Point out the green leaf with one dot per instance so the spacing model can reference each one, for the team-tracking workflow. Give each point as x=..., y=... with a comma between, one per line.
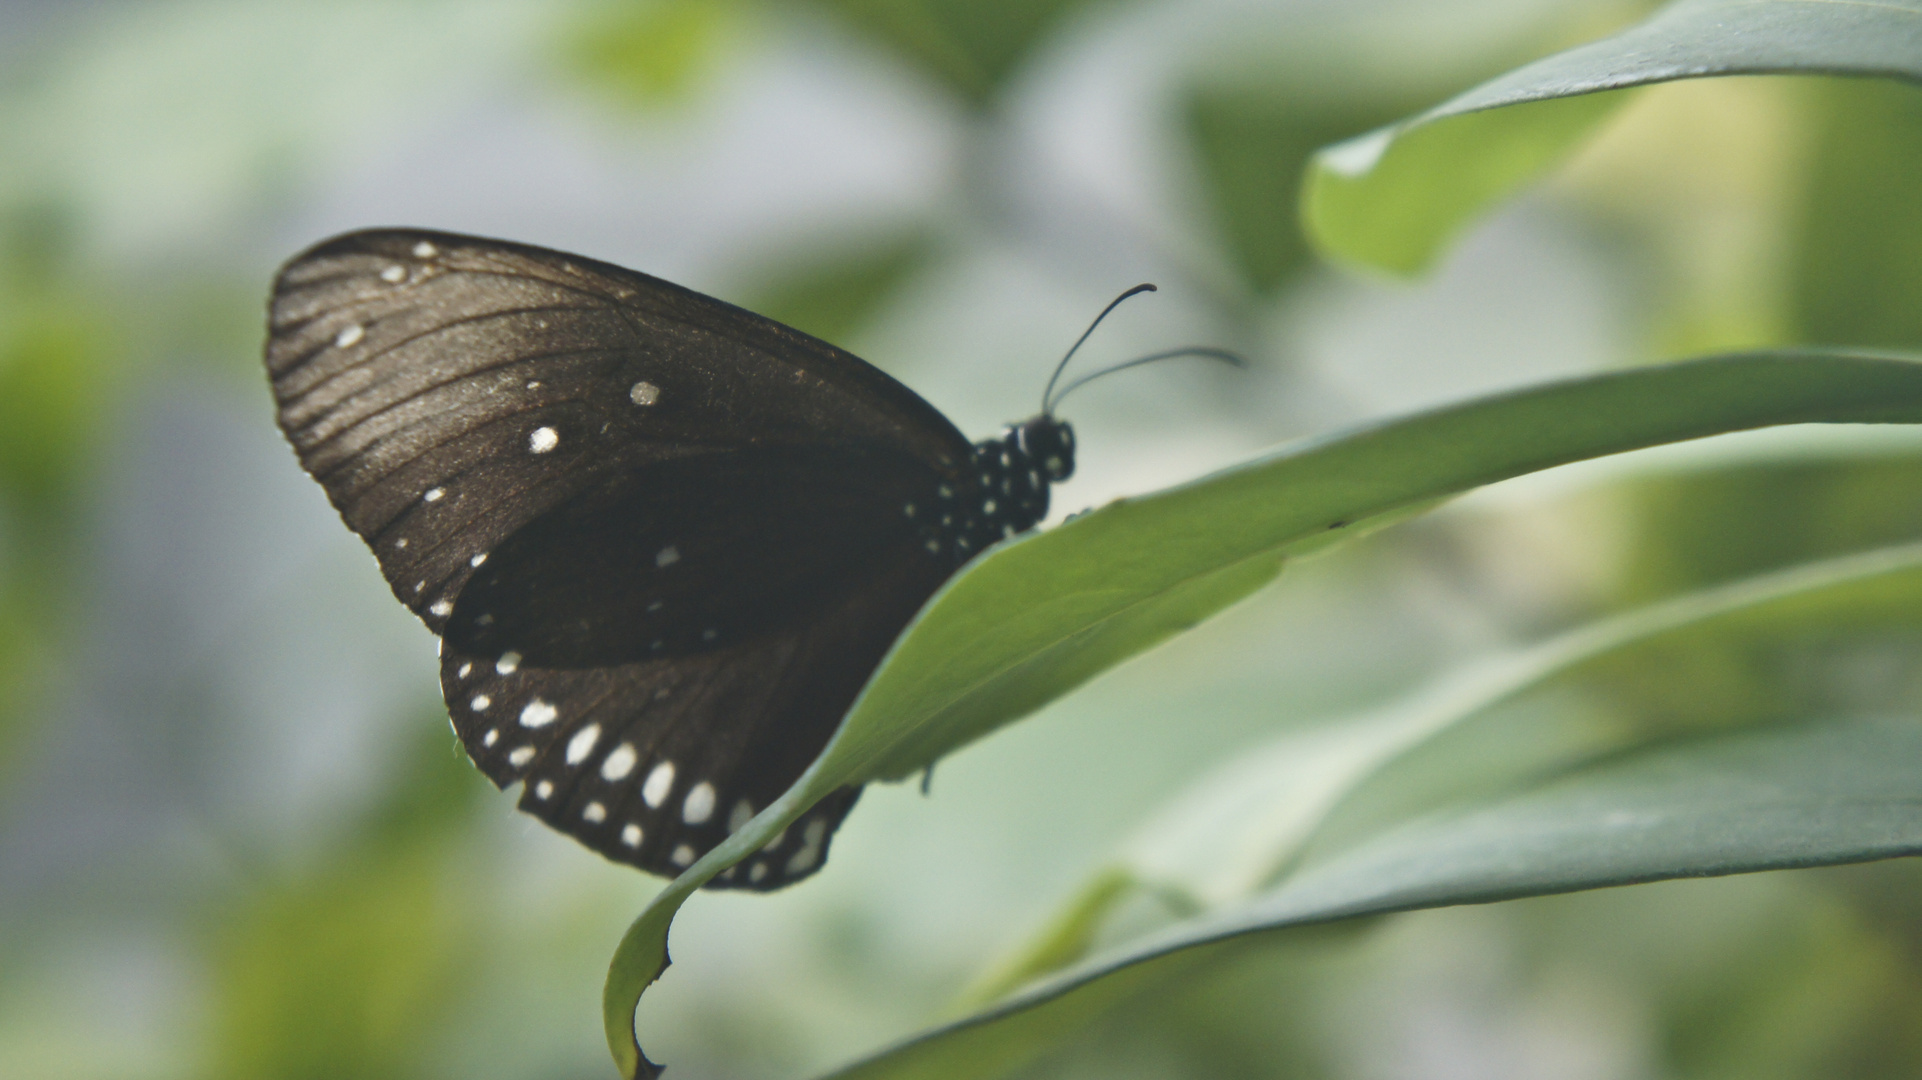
x=1250, y=146
x=1394, y=198
x=1815, y=794
x=1042, y=614
x=1235, y=832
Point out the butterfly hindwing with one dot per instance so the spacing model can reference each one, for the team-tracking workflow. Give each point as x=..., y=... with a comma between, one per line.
x=653, y=762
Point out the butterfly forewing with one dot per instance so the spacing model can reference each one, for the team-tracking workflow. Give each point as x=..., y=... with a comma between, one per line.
x=559, y=464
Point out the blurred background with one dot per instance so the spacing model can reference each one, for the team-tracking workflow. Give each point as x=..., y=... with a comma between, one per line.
x=236, y=836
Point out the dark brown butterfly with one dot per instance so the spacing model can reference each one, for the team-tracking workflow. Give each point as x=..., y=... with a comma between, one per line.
x=664, y=541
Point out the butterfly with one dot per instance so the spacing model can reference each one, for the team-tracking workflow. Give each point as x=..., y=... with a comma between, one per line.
x=664, y=541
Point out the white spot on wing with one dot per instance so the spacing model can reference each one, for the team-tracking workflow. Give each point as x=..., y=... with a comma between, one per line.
x=493, y=736
x=699, y=805
x=594, y=812
x=434, y=495
x=480, y=703
x=544, y=789
x=477, y=560
x=682, y=856
x=441, y=608
x=742, y=813
x=465, y=670
x=393, y=273
x=658, y=784
x=644, y=393
x=756, y=872
x=667, y=556
x=582, y=744
x=521, y=756
x=425, y=250
x=543, y=439
x=804, y=860
x=620, y=761
x=508, y=663
x=631, y=835
x=401, y=543
x=350, y=335
x=538, y=713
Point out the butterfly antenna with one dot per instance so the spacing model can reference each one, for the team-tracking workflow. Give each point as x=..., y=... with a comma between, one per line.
x=1222, y=355
x=1062, y=366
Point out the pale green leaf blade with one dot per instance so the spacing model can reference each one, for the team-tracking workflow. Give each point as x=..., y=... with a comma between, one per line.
x=1392, y=199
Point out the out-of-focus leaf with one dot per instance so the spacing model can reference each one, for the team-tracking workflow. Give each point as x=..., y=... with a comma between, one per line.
x=1815, y=793
x=1252, y=147
x=1394, y=198
x=1697, y=528
x=649, y=52
x=832, y=297
x=344, y=968
x=54, y=360
x=1856, y=272
x=973, y=46
x=1044, y=614
x=1234, y=832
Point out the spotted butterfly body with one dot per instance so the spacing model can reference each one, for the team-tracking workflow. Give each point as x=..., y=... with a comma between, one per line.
x=664, y=541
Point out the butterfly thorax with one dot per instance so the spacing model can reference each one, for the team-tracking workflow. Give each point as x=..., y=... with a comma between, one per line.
x=1008, y=493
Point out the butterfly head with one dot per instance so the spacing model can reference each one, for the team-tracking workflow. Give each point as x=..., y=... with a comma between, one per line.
x=1049, y=443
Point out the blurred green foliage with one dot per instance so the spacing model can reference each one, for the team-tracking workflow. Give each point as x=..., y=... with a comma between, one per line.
x=832, y=296
x=353, y=965
x=973, y=47
x=1856, y=274
x=1251, y=146
x=651, y=52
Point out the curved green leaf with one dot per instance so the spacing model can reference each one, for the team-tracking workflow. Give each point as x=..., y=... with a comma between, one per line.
x=1236, y=831
x=1045, y=613
x=1816, y=793
x=1393, y=198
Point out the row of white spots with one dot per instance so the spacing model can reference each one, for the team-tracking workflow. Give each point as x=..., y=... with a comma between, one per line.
x=696, y=808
